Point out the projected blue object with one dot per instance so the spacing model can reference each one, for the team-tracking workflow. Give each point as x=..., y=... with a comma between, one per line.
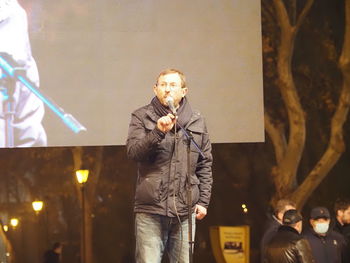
x=11, y=69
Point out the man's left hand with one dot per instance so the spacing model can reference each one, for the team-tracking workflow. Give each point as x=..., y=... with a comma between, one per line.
x=200, y=211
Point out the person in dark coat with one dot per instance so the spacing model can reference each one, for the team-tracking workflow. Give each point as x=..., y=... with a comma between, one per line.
x=159, y=146
x=288, y=245
x=341, y=224
x=275, y=221
x=53, y=255
x=327, y=245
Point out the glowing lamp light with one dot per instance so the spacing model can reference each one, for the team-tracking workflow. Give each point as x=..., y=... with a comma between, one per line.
x=14, y=222
x=82, y=176
x=37, y=206
x=5, y=227
x=245, y=208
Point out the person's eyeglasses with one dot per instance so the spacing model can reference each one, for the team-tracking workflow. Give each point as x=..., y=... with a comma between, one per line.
x=171, y=85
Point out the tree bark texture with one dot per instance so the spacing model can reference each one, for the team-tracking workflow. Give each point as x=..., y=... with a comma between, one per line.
x=288, y=154
x=284, y=174
x=90, y=190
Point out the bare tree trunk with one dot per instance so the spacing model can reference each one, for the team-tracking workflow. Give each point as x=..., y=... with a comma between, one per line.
x=86, y=253
x=336, y=144
x=288, y=154
x=284, y=174
x=90, y=204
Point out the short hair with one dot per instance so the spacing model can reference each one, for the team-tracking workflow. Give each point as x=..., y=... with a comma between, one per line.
x=341, y=204
x=172, y=71
x=281, y=205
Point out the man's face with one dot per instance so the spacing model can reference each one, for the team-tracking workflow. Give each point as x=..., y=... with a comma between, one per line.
x=320, y=225
x=170, y=86
x=344, y=216
x=299, y=226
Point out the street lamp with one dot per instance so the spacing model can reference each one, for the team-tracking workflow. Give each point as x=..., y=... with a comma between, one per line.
x=14, y=222
x=37, y=206
x=82, y=177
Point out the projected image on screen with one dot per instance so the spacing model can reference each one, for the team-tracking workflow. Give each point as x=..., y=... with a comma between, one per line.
x=98, y=61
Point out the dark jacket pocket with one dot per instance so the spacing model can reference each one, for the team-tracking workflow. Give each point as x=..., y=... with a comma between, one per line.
x=148, y=190
x=194, y=192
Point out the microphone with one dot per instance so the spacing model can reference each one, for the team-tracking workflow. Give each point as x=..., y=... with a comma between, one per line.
x=170, y=102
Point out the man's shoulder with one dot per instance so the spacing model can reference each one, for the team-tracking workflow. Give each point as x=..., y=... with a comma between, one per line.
x=331, y=235
x=197, y=122
x=311, y=235
x=285, y=237
x=346, y=230
x=144, y=111
x=271, y=228
x=196, y=114
x=336, y=235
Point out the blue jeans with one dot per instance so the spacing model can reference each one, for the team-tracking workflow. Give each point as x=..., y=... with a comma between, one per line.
x=156, y=234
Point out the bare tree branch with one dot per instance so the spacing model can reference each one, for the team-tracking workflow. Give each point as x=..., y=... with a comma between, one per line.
x=336, y=144
x=276, y=134
x=287, y=168
x=268, y=12
x=96, y=172
x=282, y=14
x=77, y=153
x=303, y=13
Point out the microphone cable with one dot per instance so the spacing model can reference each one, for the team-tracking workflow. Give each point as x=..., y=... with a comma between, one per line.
x=177, y=189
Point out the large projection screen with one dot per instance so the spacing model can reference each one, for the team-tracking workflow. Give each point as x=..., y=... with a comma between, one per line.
x=99, y=59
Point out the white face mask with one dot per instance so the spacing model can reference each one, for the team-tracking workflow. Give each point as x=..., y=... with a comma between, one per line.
x=321, y=228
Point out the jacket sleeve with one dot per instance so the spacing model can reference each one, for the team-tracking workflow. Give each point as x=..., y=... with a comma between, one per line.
x=141, y=143
x=204, y=171
x=304, y=251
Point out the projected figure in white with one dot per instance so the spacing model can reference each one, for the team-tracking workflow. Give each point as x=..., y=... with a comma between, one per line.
x=27, y=108
x=157, y=141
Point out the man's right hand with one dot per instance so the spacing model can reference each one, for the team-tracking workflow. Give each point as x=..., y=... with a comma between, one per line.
x=166, y=123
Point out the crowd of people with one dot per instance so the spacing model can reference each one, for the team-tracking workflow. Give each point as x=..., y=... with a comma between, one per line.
x=320, y=238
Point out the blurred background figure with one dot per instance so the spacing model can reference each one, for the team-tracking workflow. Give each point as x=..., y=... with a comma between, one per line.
x=342, y=217
x=341, y=224
x=53, y=255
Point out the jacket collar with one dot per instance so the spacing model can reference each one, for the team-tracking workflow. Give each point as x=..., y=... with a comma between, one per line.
x=284, y=228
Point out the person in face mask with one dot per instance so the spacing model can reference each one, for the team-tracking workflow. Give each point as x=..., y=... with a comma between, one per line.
x=326, y=245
